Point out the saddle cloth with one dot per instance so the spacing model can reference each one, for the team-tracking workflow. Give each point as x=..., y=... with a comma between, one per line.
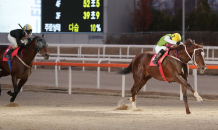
x=159, y=63
x=14, y=53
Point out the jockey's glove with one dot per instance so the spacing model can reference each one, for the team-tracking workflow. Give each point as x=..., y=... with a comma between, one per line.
x=25, y=41
x=178, y=43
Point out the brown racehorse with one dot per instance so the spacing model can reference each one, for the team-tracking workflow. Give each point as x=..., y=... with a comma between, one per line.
x=175, y=69
x=19, y=70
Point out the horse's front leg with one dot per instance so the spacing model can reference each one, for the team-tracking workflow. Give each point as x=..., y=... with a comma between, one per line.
x=183, y=82
x=184, y=91
x=14, y=81
x=20, y=85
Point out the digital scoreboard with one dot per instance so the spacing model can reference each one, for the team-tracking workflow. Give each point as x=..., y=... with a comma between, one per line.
x=75, y=16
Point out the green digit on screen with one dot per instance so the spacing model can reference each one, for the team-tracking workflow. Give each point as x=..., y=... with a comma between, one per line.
x=88, y=4
x=91, y=27
x=87, y=15
x=98, y=3
x=84, y=3
x=97, y=14
x=94, y=27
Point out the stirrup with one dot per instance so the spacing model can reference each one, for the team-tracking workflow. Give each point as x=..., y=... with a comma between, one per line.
x=156, y=63
x=8, y=57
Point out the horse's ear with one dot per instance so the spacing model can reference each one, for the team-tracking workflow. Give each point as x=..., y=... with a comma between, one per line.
x=43, y=35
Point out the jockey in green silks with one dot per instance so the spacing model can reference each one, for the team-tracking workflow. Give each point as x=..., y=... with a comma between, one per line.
x=161, y=48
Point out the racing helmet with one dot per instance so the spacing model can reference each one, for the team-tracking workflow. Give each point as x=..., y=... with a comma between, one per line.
x=27, y=28
x=176, y=37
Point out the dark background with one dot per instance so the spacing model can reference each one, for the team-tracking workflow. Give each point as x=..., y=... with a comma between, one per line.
x=71, y=12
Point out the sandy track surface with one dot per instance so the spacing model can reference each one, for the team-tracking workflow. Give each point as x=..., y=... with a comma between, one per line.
x=40, y=110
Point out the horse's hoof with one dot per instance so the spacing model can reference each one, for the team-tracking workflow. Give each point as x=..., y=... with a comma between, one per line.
x=199, y=99
x=135, y=109
x=188, y=112
x=10, y=93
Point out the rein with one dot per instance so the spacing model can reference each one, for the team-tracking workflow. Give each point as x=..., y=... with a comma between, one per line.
x=22, y=56
x=177, y=56
x=23, y=62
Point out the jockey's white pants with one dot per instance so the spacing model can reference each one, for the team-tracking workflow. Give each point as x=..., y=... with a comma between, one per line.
x=158, y=48
x=13, y=41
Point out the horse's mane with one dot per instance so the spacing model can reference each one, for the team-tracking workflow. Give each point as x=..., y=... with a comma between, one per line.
x=189, y=43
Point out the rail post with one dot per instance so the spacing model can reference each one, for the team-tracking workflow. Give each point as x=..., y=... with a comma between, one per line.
x=98, y=73
x=70, y=81
x=56, y=71
x=144, y=87
x=181, y=94
x=123, y=85
x=195, y=79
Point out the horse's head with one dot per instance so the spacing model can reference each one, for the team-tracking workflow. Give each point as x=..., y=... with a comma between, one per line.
x=197, y=53
x=41, y=46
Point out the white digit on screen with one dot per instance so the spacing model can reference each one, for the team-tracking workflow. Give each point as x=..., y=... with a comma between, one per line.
x=93, y=15
x=58, y=3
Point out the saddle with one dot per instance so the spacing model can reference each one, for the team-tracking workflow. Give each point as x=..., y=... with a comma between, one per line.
x=14, y=53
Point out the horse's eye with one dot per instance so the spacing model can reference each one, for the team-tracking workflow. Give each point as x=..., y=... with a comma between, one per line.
x=198, y=55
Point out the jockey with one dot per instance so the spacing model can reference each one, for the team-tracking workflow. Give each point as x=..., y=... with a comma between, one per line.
x=19, y=37
x=161, y=48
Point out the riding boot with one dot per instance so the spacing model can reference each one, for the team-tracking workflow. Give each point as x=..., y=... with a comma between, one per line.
x=8, y=54
x=157, y=57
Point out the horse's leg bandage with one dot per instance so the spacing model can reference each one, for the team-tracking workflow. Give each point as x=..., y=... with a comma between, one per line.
x=199, y=99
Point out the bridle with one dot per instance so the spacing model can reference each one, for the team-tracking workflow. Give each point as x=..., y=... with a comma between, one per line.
x=37, y=48
x=193, y=55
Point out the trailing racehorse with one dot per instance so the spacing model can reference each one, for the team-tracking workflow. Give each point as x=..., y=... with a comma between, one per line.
x=174, y=68
x=21, y=64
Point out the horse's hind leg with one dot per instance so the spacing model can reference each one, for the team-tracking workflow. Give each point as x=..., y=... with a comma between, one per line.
x=3, y=73
x=14, y=81
x=136, y=88
x=20, y=85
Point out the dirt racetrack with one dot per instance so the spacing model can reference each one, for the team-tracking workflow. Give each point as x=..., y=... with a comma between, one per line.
x=89, y=108
x=51, y=111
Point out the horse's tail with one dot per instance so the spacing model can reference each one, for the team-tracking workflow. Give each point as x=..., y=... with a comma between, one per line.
x=126, y=70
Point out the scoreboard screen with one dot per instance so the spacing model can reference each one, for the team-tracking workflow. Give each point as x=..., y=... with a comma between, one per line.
x=72, y=16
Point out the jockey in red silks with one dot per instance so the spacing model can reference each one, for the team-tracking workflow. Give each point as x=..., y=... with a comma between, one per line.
x=162, y=44
x=19, y=37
